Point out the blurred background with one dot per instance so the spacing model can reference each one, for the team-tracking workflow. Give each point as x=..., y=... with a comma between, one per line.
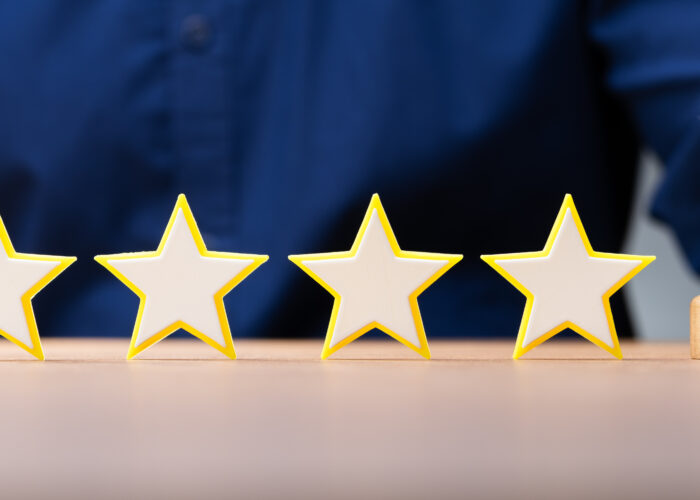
x=279, y=120
x=660, y=297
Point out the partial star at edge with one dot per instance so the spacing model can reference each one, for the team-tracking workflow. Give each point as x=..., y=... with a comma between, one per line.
x=22, y=276
x=567, y=285
x=375, y=284
x=181, y=285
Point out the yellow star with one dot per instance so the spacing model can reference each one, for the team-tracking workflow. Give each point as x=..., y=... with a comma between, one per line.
x=567, y=285
x=375, y=285
x=181, y=285
x=21, y=277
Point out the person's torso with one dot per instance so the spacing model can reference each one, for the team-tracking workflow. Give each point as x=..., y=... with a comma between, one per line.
x=278, y=120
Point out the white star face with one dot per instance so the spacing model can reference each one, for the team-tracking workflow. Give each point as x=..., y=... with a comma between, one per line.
x=181, y=285
x=375, y=284
x=568, y=285
x=21, y=278
x=17, y=276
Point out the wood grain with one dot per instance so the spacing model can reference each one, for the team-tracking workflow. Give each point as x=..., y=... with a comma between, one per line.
x=375, y=421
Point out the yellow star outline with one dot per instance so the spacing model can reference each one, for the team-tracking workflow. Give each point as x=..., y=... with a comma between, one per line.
x=568, y=204
x=375, y=204
x=228, y=349
x=63, y=263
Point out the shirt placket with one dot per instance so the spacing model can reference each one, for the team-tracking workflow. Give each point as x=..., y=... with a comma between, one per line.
x=202, y=115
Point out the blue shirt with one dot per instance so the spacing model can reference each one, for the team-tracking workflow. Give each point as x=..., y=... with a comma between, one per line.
x=279, y=119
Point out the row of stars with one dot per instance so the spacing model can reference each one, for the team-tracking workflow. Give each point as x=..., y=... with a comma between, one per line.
x=375, y=284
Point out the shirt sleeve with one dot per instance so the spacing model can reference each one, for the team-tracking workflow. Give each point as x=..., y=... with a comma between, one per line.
x=651, y=59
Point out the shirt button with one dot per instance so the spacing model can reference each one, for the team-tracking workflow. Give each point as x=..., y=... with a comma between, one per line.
x=195, y=31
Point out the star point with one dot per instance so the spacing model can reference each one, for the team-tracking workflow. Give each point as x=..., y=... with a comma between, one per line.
x=181, y=285
x=567, y=285
x=375, y=284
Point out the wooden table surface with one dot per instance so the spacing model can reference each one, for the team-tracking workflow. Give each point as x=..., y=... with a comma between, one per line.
x=181, y=421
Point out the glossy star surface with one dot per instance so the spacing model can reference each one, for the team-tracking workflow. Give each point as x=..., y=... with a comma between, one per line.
x=375, y=284
x=567, y=285
x=181, y=285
